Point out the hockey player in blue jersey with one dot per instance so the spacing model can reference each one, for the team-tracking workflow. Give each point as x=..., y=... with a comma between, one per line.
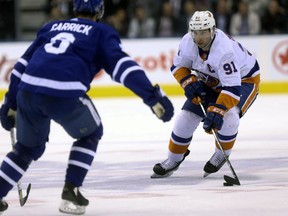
x=50, y=81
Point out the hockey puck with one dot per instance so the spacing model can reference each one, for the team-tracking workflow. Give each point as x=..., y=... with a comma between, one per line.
x=227, y=184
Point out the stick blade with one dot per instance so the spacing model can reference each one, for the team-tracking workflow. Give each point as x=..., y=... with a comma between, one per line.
x=24, y=199
x=230, y=180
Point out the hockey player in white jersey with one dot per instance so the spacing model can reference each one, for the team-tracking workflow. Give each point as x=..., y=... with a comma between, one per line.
x=215, y=69
x=50, y=82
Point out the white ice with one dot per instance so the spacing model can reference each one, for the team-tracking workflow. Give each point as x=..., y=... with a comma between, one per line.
x=119, y=183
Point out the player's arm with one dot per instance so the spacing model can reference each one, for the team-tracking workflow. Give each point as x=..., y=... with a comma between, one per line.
x=9, y=106
x=229, y=96
x=181, y=71
x=123, y=69
x=19, y=69
x=134, y=78
x=192, y=87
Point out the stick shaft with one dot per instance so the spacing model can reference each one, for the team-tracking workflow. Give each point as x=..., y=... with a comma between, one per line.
x=221, y=148
x=19, y=188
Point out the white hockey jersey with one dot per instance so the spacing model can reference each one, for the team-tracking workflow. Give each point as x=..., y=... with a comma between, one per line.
x=223, y=68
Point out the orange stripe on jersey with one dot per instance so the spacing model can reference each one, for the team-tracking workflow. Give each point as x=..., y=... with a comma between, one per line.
x=177, y=149
x=226, y=145
x=180, y=73
x=227, y=100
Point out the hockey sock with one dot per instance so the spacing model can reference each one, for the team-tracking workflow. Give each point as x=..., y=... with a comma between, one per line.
x=80, y=159
x=12, y=169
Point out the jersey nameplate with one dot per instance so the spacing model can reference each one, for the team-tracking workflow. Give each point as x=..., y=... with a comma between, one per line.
x=74, y=27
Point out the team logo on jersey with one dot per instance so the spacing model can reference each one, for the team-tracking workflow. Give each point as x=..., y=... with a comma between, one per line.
x=280, y=57
x=208, y=80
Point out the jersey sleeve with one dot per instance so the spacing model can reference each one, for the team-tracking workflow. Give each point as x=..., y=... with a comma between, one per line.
x=123, y=69
x=19, y=69
x=182, y=62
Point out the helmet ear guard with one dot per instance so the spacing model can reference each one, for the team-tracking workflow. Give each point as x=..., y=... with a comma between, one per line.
x=93, y=7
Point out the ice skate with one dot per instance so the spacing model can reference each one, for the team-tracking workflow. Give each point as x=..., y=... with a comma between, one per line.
x=73, y=202
x=167, y=167
x=214, y=164
x=3, y=206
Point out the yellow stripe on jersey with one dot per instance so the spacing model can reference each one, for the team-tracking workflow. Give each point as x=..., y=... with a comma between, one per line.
x=252, y=95
x=180, y=73
x=250, y=99
x=177, y=149
x=226, y=145
x=227, y=100
x=252, y=80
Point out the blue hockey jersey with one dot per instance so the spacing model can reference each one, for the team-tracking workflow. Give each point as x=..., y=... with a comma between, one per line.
x=66, y=55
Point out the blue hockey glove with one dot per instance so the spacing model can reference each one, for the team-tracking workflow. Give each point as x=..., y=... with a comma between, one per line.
x=8, y=117
x=214, y=117
x=193, y=89
x=163, y=109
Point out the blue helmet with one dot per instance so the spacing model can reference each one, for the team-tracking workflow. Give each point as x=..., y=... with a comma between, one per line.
x=89, y=6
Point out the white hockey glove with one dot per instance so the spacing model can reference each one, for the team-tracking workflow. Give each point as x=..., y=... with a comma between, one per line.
x=163, y=109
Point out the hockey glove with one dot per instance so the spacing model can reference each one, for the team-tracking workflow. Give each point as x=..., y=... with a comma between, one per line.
x=214, y=117
x=193, y=89
x=8, y=117
x=163, y=109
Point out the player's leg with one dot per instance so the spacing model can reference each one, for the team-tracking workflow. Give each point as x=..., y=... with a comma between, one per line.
x=185, y=124
x=184, y=127
x=227, y=136
x=228, y=133
x=80, y=159
x=32, y=133
x=82, y=123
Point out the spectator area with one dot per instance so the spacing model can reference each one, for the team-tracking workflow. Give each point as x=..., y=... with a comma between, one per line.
x=149, y=18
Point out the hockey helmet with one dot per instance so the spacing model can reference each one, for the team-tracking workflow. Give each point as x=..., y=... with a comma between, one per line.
x=202, y=20
x=90, y=6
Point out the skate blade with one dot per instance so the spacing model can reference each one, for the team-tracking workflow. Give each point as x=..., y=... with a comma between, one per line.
x=154, y=175
x=69, y=208
x=206, y=174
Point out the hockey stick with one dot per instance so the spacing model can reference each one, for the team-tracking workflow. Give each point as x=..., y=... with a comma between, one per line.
x=22, y=199
x=229, y=180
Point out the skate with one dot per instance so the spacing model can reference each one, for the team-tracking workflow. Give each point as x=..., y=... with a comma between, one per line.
x=73, y=202
x=214, y=164
x=167, y=167
x=3, y=206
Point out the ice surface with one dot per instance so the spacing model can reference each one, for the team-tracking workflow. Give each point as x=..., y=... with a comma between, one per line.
x=119, y=183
